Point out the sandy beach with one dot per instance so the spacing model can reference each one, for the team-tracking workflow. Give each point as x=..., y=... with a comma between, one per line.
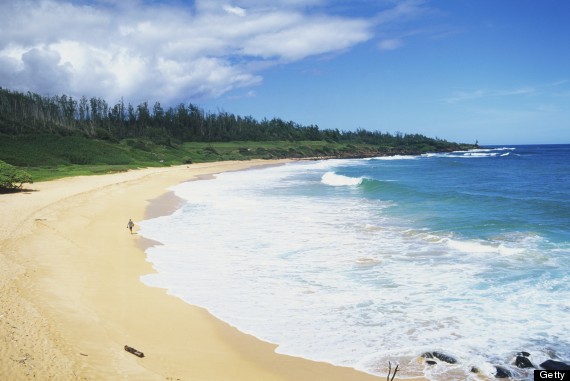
x=71, y=296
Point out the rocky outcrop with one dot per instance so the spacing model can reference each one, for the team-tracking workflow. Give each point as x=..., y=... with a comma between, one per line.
x=555, y=365
x=501, y=372
x=440, y=356
x=522, y=360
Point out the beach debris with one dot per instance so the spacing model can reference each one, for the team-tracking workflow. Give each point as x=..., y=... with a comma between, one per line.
x=134, y=351
x=390, y=371
x=502, y=372
x=83, y=354
x=554, y=365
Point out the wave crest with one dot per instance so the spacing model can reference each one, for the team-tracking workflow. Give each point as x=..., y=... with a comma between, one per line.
x=332, y=179
x=474, y=153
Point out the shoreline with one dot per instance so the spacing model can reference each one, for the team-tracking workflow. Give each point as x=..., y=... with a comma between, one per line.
x=71, y=295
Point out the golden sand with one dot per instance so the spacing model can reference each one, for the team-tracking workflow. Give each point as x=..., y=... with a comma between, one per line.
x=71, y=296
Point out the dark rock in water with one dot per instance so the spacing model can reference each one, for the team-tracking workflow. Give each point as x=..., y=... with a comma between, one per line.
x=523, y=362
x=445, y=358
x=440, y=356
x=502, y=372
x=554, y=365
x=474, y=370
x=523, y=353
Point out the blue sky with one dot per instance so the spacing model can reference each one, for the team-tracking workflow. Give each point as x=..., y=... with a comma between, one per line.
x=496, y=71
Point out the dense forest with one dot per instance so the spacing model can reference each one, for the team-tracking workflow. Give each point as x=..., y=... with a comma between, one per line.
x=31, y=113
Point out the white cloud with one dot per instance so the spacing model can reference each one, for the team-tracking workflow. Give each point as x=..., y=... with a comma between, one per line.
x=391, y=44
x=295, y=40
x=247, y=95
x=167, y=51
x=235, y=10
x=397, y=28
x=461, y=96
x=404, y=10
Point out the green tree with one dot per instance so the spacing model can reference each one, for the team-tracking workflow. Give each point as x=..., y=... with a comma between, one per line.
x=12, y=177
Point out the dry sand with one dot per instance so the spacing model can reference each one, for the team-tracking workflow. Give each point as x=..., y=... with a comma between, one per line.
x=71, y=295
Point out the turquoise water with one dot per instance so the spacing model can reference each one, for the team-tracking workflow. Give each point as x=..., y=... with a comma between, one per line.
x=361, y=262
x=500, y=191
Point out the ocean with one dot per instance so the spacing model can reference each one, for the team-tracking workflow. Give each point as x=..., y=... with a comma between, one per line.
x=364, y=261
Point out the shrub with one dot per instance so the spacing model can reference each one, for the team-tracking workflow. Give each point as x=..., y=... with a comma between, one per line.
x=138, y=144
x=12, y=177
x=211, y=150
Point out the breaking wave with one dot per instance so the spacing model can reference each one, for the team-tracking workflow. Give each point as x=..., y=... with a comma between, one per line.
x=332, y=179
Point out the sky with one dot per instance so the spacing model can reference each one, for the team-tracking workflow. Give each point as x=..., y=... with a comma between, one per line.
x=486, y=71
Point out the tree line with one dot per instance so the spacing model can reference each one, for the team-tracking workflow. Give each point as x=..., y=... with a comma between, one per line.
x=30, y=113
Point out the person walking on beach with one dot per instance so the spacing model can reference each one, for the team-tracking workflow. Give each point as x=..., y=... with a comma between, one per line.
x=130, y=225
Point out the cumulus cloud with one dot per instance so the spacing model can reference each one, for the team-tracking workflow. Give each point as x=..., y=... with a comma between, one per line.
x=162, y=51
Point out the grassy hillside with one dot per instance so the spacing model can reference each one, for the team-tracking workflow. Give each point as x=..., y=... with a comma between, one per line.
x=48, y=157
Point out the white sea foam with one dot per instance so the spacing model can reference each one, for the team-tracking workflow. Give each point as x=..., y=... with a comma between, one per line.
x=477, y=153
x=481, y=154
x=487, y=150
x=331, y=178
x=333, y=279
x=396, y=157
x=466, y=155
x=471, y=246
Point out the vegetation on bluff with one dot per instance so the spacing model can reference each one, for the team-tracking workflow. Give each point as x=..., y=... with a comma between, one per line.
x=59, y=136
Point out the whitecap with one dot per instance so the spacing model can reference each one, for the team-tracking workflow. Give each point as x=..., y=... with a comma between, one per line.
x=470, y=246
x=331, y=178
x=473, y=153
x=396, y=157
